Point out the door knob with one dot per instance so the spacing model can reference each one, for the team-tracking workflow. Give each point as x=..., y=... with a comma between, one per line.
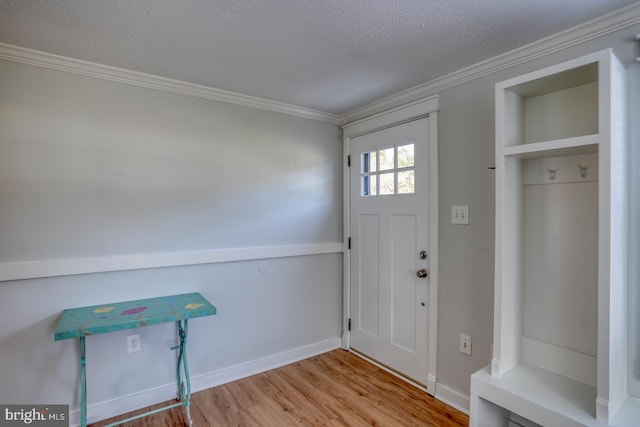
x=422, y=273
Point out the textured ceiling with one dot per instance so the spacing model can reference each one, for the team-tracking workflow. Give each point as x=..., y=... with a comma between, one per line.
x=329, y=55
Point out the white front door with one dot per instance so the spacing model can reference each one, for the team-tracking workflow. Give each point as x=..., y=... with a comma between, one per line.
x=390, y=223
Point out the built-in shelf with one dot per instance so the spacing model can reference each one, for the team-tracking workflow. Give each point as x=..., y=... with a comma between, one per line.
x=539, y=395
x=628, y=414
x=559, y=147
x=559, y=352
x=540, y=107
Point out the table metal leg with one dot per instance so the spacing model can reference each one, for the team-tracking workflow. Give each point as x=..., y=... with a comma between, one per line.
x=83, y=384
x=184, y=387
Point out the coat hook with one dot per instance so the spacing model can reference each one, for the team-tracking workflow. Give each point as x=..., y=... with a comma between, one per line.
x=552, y=173
x=583, y=170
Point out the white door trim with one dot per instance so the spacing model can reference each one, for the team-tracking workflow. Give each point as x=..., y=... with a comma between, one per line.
x=427, y=106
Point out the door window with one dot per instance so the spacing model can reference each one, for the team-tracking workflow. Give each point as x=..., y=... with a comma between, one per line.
x=388, y=171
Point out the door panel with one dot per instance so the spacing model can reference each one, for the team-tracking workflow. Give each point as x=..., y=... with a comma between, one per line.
x=404, y=285
x=369, y=277
x=389, y=184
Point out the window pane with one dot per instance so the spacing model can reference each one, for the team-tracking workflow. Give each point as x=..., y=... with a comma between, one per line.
x=368, y=185
x=386, y=159
x=387, y=183
x=405, y=156
x=406, y=182
x=368, y=162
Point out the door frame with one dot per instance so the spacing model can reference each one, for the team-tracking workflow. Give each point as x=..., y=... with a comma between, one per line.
x=426, y=107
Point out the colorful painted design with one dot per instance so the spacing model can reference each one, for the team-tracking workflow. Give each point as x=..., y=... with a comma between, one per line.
x=193, y=306
x=134, y=310
x=78, y=322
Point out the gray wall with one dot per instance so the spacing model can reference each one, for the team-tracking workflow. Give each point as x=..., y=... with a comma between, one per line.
x=94, y=168
x=90, y=167
x=466, y=149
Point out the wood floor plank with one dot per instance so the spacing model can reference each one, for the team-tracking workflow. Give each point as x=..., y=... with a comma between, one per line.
x=334, y=389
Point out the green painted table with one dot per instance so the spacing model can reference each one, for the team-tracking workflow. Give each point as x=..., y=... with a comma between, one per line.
x=100, y=319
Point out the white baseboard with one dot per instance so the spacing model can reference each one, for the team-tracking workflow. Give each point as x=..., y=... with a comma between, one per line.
x=452, y=398
x=233, y=373
x=134, y=401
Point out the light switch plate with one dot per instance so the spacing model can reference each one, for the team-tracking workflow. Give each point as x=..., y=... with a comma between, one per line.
x=460, y=214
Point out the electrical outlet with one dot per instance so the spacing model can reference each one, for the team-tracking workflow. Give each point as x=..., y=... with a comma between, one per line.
x=465, y=344
x=133, y=343
x=459, y=214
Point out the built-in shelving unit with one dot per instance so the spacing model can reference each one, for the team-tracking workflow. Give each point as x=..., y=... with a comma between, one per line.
x=559, y=352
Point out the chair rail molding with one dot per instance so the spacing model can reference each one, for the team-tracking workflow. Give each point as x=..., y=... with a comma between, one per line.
x=98, y=264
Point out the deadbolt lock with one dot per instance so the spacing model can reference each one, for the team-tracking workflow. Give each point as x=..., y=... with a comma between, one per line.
x=422, y=273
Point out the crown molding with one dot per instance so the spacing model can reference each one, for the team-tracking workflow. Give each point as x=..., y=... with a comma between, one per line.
x=590, y=30
x=587, y=31
x=121, y=75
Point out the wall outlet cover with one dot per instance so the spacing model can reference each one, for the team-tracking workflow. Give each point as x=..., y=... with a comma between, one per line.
x=133, y=343
x=465, y=344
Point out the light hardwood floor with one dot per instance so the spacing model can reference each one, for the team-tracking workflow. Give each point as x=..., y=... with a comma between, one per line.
x=337, y=388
